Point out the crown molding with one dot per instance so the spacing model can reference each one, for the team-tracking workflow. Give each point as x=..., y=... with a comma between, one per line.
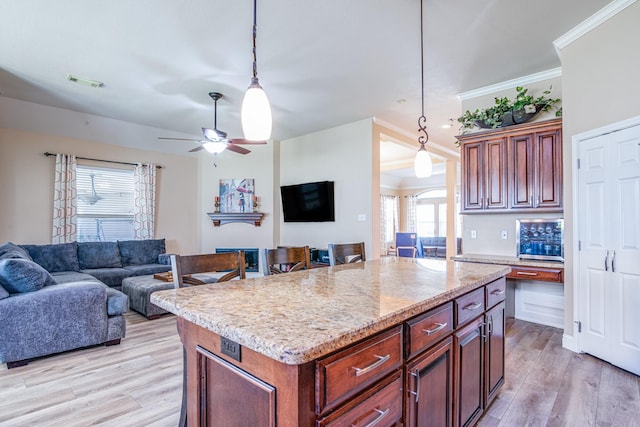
x=510, y=84
x=590, y=23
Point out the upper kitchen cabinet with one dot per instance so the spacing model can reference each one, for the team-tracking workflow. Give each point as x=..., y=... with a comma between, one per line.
x=484, y=174
x=517, y=168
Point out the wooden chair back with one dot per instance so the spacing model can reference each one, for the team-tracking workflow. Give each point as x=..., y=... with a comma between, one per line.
x=182, y=265
x=346, y=253
x=285, y=260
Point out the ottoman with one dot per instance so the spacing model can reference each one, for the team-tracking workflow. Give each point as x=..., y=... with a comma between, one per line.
x=139, y=290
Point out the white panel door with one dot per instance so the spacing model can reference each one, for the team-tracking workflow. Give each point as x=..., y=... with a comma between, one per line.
x=609, y=261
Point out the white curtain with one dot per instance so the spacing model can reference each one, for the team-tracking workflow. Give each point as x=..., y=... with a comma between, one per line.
x=412, y=226
x=64, y=200
x=385, y=214
x=144, y=207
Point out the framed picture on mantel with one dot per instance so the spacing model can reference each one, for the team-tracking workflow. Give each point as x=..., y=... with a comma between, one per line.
x=236, y=195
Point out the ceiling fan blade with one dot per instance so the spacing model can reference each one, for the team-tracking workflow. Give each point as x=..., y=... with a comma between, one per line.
x=198, y=148
x=179, y=139
x=246, y=141
x=237, y=149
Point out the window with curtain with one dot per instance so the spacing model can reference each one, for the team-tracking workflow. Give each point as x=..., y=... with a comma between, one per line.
x=105, y=204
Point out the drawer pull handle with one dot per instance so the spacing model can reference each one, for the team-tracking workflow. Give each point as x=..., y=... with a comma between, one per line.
x=439, y=327
x=374, y=365
x=497, y=292
x=525, y=273
x=381, y=415
x=472, y=307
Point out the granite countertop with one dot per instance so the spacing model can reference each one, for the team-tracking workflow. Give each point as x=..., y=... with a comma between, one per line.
x=298, y=317
x=507, y=260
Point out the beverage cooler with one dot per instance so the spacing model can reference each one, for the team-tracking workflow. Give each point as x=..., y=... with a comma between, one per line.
x=541, y=239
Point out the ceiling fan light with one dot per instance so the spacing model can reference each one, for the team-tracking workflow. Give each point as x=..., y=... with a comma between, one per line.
x=423, y=165
x=256, y=113
x=214, y=147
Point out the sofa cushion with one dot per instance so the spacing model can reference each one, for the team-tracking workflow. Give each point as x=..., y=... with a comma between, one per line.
x=109, y=276
x=72, y=276
x=19, y=276
x=98, y=255
x=138, y=252
x=143, y=270
x=117, y=302
x=11, y=250
x=3, y=292
x=56, y=257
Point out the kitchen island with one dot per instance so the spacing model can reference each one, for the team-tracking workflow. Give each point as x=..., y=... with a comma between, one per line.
x=343, y=345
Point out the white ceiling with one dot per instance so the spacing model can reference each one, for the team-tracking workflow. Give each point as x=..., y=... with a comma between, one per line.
x=322, y=63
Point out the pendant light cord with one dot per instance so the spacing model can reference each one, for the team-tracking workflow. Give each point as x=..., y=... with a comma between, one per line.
x=422, y=120
x=255, y=61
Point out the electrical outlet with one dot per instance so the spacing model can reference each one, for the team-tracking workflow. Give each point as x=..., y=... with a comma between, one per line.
x=473, y=234
x=504, y=235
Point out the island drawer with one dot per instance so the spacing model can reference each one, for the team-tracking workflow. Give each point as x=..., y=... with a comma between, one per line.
x=495, y=291
x=381, y=405
x=349, y=371
x=428, y=328
x=469, y=306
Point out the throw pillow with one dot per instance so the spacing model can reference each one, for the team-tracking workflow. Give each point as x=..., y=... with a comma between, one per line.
x=56, y=257
x=11, y=250
x=18, y=276
x=140, y=252
x=98, y=255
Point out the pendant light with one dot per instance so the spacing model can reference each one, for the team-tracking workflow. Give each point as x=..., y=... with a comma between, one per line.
x=256, y=111
x=422, y=165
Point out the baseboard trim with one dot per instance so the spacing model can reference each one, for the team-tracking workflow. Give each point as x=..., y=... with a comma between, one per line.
x=570, y=343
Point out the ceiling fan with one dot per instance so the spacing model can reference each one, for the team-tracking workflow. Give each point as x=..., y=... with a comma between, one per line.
x=215, y=141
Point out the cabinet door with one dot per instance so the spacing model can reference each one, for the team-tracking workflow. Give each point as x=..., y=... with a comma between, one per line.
x=522, y=171
x=484, y=174
x=232, y=397
x=469, y=371
x=494, y=352
x=429, y=380
x=495, y=173
x=472, y=176
x=548, y=152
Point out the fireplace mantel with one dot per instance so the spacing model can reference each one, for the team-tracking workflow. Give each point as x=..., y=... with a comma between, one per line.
x=219, y=218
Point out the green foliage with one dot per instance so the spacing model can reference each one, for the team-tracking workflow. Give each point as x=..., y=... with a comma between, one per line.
x=493, y=117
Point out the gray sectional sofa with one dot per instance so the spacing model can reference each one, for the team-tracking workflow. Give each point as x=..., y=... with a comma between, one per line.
x=60, y=297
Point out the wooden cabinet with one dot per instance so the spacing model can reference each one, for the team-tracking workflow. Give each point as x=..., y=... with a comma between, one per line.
x=535, y=169
x=228, y=388
x=494, y=352
x=484, y=174
x=513, y=168
x=442, y=367
x=468, y=343
x=429, y=382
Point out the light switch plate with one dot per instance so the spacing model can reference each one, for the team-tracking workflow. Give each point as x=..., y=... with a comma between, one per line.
x=473, y=234
x=504, y=235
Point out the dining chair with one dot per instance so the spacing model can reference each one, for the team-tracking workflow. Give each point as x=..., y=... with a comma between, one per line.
x=285, y=260
x=346, y=253
x=184, y=266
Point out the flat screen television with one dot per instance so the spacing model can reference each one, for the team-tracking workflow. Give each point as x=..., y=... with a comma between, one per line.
x=308, y=202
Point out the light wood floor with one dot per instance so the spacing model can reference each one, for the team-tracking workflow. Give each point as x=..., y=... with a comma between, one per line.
x=138, y=383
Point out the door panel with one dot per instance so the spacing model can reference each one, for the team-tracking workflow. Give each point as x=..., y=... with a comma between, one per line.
x=609, y=262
